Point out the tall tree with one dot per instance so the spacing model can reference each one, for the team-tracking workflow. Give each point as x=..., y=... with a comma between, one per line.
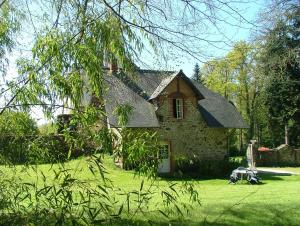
x=280, y=64
x=235, y=77
x=197, y=76
x=218, y=77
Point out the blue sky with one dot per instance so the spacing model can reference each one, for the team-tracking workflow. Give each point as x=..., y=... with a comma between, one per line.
x=230, y=35
x=176, y=59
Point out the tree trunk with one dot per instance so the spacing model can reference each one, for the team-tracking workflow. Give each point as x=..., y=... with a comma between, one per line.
x=286, y=134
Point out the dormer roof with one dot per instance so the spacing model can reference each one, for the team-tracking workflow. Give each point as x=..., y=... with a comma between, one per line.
x=166, y=81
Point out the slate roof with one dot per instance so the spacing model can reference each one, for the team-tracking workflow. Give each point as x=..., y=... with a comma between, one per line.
x=217, y=111
x=163, y=84
x=144, y=85
x=166, y=81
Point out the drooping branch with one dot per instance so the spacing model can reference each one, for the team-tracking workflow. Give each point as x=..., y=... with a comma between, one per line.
x=27, y=80
x=2, y=3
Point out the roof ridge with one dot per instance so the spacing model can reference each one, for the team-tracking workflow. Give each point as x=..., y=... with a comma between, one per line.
x=166, y=81
x=155, y=71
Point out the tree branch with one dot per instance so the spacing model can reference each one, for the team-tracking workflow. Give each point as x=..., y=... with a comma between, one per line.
x=2, y=3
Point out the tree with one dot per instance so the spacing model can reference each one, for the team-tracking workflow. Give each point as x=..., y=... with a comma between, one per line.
x=197, y=74
x=15, y=123
x=236, y=77
x=9, y=24
x=280, y=64
x=16, y=129
x=218, y=77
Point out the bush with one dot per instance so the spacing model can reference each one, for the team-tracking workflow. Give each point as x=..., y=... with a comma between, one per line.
x=32, y=149
x=16, y=123
x=206, y=168
x=48, y=129
x=22, y=142
x=13, y=148
x=47, y=149
x=138, y=150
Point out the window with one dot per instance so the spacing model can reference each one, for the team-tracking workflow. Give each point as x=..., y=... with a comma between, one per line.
x=178, y=108
x=163, y=151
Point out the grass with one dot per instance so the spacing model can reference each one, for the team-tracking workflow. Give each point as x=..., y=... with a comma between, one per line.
x=275, y=202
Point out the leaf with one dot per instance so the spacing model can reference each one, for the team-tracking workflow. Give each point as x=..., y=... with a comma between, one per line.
x=120, y=210
x=142, y=184
x=163, y=213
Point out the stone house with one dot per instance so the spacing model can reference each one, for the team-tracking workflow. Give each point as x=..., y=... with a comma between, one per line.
x=190, y=120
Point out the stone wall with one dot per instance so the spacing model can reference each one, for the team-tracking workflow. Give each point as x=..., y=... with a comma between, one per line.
x=281, y=156
x=189, y=137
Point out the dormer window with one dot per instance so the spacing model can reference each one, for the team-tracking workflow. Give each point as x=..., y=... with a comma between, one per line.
x=178, y=108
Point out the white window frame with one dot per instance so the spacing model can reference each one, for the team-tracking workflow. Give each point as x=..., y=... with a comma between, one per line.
x=179, y=108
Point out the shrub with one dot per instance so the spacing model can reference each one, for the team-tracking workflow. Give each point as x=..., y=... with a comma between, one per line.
x=206, y=168
x=138, y=150
x=16, y=123
x=48, y=129
x=46, y=149
x=32, y=149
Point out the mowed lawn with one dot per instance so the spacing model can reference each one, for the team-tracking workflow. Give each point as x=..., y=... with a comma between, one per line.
x=275, y=202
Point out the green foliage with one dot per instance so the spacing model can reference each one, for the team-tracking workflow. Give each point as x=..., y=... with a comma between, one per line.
x=48, y=129
x=67, y=61
x=197, y=76
x=139, y=150
x=9, y=25
x=16, y=123
x=123, y=113
x=217, y=77
x=33, y=149
x=104, y=140
x=279, y=61
x=236, y=77
x=80, y=193
x=20, y=143
x=197, y=168
x=218, y=198
x=46, y=149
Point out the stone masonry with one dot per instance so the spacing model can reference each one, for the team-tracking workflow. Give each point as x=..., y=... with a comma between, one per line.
x=190, y=136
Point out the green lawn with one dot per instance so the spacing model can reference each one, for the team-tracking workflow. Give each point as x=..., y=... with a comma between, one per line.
x=275, y=202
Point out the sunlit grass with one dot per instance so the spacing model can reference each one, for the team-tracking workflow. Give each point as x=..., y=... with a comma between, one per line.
x=276, y=201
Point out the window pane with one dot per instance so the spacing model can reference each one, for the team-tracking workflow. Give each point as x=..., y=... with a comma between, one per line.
x=178, y=108
x=163, y=151
x=174, y=108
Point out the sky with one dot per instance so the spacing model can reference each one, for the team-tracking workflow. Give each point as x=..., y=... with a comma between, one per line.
x=242, y=31
x=176, y=59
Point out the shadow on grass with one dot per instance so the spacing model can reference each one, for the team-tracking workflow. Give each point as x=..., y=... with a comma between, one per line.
x=225, y=179
x=192, y=177
x=270, y=177
x=264, y=215
x=156, y=223
x=260, y=214
x=240, y=213
x=262, y=175
x=20, y=220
